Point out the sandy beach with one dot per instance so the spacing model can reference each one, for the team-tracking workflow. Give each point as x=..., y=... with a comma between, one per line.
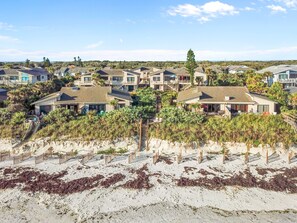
x=145, y=192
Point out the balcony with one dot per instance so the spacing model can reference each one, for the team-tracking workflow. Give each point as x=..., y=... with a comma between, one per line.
x=287, y=81
x=83, y=83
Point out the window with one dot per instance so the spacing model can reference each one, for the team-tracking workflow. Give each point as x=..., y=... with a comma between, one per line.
x=13, y=78
x=263, y=108
x=97, y=107
x=130, y=79
x=87, y=79
x=156, y=78
x=118, y=79
x=237, y=108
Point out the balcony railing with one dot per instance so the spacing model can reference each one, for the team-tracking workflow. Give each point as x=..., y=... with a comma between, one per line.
x=288, y=81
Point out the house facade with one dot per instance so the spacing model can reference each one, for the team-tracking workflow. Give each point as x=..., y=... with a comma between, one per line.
x=214, y=99
x=285, y=74
x=3, y=96
x=83, y=99
x=23, y=76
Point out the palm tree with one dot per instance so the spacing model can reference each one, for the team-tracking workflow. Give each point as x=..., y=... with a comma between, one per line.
x=114, y=103
x=199, y=80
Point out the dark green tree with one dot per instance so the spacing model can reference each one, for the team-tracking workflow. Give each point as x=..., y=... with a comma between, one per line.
x=191, y=65
x=27, y=63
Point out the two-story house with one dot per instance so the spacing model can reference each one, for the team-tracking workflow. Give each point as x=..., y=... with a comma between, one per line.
x=285, y=74
x=9, y=76
x=23, y=76
x=163, y=80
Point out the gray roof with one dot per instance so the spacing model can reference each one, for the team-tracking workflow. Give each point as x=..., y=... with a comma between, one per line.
x=291, y=90
x=8, y=71
x=113, y=72
x=35, y=71
x=279, y=69
x=3, y=94
x=216, y=94
x=96, y=94
x=261, y=96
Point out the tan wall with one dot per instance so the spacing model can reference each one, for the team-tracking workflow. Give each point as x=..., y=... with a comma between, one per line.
x=261, y=101
x=49, y=102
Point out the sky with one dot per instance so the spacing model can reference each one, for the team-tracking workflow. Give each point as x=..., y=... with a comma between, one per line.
x=155, y=30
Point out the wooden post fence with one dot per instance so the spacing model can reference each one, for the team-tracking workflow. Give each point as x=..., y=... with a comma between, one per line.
x=108, y=158
x=131, y=157
x=156, y=157
x=140, y=135
x=200, y=156
x=22, y=157
x=65, y=157
x=147, y=135
x=87, y=157
x=225, y=155
x=290, y=156
x=179, y=158
x=4, y=156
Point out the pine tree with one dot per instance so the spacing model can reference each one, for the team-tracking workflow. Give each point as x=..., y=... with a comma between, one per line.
x=191, y=65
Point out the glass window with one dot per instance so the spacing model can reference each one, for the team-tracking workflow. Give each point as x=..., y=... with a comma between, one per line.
x=87, y=79
x=97, y=107
x=156, y=78
x=119, y=79
x=263, y=108
x=238, y=107
x=130, y=79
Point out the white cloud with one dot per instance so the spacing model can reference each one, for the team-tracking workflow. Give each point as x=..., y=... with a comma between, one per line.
x=248, y=9
x=276, y=8
x=286, y=53
x=8, y=39
x=205, y=12
x=6, y=26
x=288, y=3
x=94, y=45
x=185, y=10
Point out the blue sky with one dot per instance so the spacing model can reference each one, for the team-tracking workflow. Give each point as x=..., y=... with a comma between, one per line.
x=148, y=29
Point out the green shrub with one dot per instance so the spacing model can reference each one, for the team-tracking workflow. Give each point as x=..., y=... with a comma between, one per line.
x=59, y=116
x=177, y=115
x=5, y=116
x=18, y=118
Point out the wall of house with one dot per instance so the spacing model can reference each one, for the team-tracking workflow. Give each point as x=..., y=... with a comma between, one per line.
x=48, y=102
x=261, y=101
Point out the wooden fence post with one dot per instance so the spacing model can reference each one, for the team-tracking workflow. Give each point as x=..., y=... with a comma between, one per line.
x=179, y=158
x=140, y=135
x=266, y=158
x=290, y=156
x=147, y=135
x=200, y=158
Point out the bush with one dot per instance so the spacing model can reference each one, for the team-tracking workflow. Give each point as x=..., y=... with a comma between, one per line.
x=18, y=118
x=177, y=115
x=59, y=116
x=5, y=116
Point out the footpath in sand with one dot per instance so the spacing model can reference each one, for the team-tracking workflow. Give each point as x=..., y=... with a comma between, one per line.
x=147, y=192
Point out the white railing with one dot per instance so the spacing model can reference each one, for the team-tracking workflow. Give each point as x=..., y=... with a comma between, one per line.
x=288, y=81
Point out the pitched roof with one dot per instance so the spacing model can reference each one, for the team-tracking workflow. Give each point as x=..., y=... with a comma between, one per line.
x=216, y=94
x=279, y=69
x=91, y=94
x=261, y=96
x=3, y=94
x=96, y=94
x=113, y=72
x=8, y=71
x=35, y=71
